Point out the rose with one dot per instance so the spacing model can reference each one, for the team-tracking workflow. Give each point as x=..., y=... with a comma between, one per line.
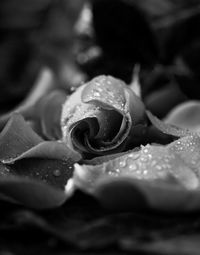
x=102, y=116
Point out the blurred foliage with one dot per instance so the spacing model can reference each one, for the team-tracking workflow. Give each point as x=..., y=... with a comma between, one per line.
x=33, y=34
x=156, y=34
x=162, y=36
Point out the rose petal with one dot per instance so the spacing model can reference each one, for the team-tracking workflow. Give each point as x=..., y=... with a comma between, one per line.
x=167, y=128
x=151, y=163
x=101, y=159
x=49, y=112
x=25, y=180
x=50, y=171
x=47, y=150
x=49, y=161
x=126, y=194
x=31, y=193
x=185, y=115
x=16, y=138
x=155, y=174
x=106, y=90
x=188, y=149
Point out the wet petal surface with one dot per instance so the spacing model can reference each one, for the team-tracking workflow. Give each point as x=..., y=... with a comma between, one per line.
x=106, y=90
x=33, y=172
x=171, y=170
x=167, y=128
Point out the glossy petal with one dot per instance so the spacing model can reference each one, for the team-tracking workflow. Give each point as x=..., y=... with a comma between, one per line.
x=148, y=177
x=106, y=90
x=49, y=111
x=16, y=138
x=33, y=172
x=30, y=193
x=188, y=149
x=167, y=128
x=47, y=150
x=185, y=115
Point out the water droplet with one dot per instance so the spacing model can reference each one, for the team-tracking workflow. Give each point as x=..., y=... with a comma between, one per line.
x=159, y=167
x=145, y=150
x=56, y=173
x=111, y=173
x=138, y=172
x=133, y=167
x=117, y=170
x=73, y=89
x=144, y=159
x=134, y=155
x=122, y=163
x=145, y=172
x=96, y=94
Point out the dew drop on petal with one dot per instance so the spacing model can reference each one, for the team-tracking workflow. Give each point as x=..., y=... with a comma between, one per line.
x=107, y=89
x=188, y=149
x=122, y=163
x=96, y=94
x=73, y=89
x=134, y=155
x=56, y=173
x=133, y=167
x=117, y=171
x=145, y=172
x=158, y=167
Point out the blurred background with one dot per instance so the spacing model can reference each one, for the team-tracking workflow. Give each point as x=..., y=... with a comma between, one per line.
x=79, y=39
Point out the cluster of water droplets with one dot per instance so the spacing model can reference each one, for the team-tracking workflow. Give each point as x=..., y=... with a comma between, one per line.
x=108, y=90
x=176, y=162
x=188, y=149
x=151, y=162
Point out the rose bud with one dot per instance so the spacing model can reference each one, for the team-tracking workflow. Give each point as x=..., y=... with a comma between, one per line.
x=103, y=116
